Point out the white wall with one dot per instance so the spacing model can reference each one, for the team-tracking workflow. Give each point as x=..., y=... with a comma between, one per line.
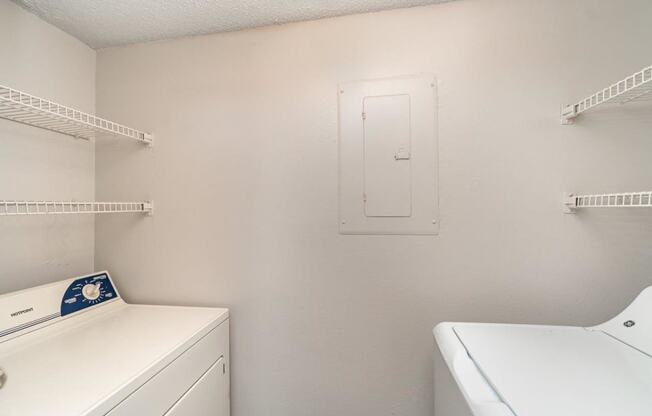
x=36, y=164
x=244, y=179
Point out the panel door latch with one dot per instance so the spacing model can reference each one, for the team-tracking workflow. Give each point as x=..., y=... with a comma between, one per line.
x=402, y=154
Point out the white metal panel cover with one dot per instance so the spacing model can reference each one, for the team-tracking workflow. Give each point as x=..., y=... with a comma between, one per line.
x=388, y=156
x=387, y=178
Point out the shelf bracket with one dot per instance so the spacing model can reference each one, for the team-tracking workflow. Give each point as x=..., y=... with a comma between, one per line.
x=568, y=114
x=149, y=139
x=570, y=203
x=148, y=207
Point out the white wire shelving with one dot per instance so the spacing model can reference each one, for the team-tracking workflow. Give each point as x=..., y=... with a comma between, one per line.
x=573, y=202
x=636, y=87
x=27, y=109
x=13, y=208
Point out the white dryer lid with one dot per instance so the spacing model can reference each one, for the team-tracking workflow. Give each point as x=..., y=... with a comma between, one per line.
x=561, y=371
x=86, y=364
x=633, y=326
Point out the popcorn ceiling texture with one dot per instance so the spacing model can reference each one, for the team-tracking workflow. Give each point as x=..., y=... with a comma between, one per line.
x=102, y=24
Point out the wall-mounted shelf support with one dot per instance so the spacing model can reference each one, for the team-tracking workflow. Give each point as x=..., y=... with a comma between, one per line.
x=636, y=87
x=38, y=112
x=12, y=208
x=573, y=202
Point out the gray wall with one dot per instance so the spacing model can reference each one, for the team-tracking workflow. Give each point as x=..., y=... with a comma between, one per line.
x=244, y=179
x=40, y=165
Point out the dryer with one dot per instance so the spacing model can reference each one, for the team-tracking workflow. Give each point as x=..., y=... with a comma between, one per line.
x=75, y=348
x=538, y=370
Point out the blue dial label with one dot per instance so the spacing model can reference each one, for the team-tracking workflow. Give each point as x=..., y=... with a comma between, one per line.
x=86, y=292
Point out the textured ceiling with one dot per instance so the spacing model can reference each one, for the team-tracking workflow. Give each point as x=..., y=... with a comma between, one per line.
x=103, y=23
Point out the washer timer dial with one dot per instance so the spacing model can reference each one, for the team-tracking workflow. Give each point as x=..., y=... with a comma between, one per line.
x=92, y=291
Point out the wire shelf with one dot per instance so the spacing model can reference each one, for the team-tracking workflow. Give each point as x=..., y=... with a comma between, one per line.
x=636, y=87
x=620, y=200
x=38, y=112
x=12, y=208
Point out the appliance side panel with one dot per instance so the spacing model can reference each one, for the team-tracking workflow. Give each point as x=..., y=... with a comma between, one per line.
x=449, y=400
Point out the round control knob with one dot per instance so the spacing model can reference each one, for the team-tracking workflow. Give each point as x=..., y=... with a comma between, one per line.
x=91, y=291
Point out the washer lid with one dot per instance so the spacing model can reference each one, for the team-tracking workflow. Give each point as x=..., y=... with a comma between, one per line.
x=87, y=364
x=561, y=371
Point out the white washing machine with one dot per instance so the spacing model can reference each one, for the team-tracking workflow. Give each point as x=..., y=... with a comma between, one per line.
x=76, y=348
x=531, y=370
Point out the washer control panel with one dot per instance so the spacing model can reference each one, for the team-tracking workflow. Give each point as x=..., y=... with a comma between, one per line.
x=29, y=309
x=87, y=291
